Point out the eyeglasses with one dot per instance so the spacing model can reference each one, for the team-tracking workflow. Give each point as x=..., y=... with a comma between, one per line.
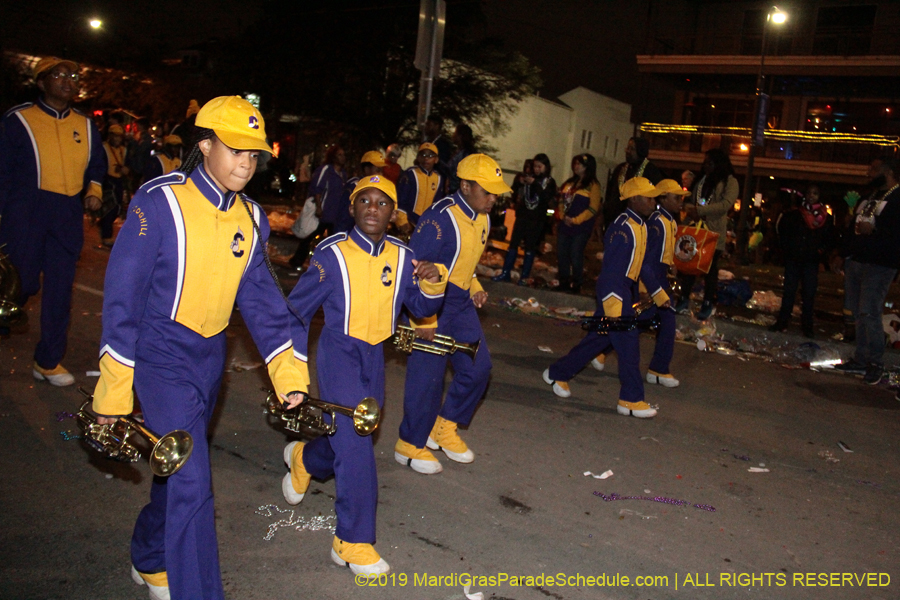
x=62, y=75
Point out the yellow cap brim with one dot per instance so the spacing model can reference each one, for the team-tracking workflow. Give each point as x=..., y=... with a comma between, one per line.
x=494, y=187
x=242, y=142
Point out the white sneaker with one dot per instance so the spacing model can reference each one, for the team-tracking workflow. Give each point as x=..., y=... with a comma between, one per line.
x=157, y=592
x=663, y=380
x=599, y=364
x=57, y=376
x=560, y=388
x=291, y=496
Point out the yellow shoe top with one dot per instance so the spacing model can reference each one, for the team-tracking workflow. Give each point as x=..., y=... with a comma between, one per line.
x=662, y=375
x=444, y=433
x=355, y=554
x=299, y=476
x=563, y=385
x=409, y=451
x=634, y=405
x=157, y=579
x=601, y=358
x=57, y=370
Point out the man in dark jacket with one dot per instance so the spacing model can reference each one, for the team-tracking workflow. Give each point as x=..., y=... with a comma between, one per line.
x=636, y=165
x=805, y=235
x=873, y=253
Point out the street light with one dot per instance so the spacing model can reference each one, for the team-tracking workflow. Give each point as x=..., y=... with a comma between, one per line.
x=760, y=112
x=95, y=23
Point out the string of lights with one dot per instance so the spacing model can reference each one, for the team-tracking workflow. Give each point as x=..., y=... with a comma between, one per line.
x=777, y=134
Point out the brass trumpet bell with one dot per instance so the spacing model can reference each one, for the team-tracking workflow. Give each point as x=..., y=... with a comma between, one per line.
x=310, y=414
x=169, y=452
x=406, y=341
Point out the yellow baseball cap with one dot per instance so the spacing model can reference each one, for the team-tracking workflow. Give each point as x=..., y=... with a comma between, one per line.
x=429, y=146
x=637, y=186
x=373, y=157
x=115, y=130
x=45, y=64
x=236, y=122
x=174, y=140
x=670, y=186
x=483, y=170
x=379, y=182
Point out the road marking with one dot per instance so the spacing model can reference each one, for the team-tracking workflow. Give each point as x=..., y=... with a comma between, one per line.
x=89, y=290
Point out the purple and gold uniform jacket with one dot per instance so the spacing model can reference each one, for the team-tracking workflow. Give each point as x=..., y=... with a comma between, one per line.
x=42, y=149
x=660, y=255
x=362, y=287
x=451, y=233
x=581, y=205
x=329, y=182
x=188, y=253
x=625, y=246
x=416, y=192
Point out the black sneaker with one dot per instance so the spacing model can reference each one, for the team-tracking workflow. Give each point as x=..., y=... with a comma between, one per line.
x=706, y=311
x=873, y=375
x=852, y=367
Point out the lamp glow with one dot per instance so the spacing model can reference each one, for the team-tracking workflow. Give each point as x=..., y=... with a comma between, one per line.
x=95, y=23
x=778, y=16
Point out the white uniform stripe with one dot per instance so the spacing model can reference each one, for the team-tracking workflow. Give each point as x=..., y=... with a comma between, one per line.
x=181, y=247
x=345, y=277
x=118, y=357
x=253, y=238
x=278, y=351
x=34, y=146
x=300, y=356
x=398, y=286
x=458, y=242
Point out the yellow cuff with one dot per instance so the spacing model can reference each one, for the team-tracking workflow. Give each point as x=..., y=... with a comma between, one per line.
x=475, y=286
x=612, y=307
x=424, y=323
x=94, y=189
x=286, y=373
x=401, y=219
x=113, y=395
x=436, y=289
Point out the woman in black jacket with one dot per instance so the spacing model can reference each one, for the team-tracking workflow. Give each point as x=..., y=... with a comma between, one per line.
x=534, y=193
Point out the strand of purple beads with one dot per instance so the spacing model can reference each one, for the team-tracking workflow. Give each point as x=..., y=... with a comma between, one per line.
x=662, y=499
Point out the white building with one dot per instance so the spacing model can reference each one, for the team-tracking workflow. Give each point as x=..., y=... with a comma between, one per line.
x=582, y=121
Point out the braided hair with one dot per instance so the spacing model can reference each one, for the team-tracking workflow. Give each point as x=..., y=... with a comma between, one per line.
x=195, y=156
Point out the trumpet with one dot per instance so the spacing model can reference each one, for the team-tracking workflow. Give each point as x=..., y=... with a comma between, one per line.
x=169, y=452
x=10, y=289
x=310, y=414
x=406, y=341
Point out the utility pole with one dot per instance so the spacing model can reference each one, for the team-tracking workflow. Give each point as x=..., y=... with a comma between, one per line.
x=429, y=48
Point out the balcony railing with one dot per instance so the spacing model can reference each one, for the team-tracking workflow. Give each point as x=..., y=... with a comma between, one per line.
x=789, y=145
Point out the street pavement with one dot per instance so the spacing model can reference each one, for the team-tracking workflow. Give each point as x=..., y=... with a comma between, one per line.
x=817, y=516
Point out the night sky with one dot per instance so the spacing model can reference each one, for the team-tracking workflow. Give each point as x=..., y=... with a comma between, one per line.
x=591, y=43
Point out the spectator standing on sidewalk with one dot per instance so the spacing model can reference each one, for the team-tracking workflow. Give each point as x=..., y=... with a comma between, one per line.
x=578, y=206
x=713, y=195
x=873, y=255
x=805, y=235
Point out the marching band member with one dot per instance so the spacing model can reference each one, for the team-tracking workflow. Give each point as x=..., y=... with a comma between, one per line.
x=189, y=252
x=419, y=186
x=163, y=163
x=362, y=278
x=658, y=260
x=113, y=186
x=453, y=232
x=617, y=290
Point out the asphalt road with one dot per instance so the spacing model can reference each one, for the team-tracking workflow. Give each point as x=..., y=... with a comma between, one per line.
x=524, y=508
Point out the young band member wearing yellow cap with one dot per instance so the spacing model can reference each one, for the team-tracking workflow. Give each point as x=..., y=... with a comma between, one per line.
x=113, y=187
x=658, y=261
x=617, y=290
x=362, y=278
x=453, y=232
x=51, y=166
x=187, y=254
x=418, y=188
x=165, y=161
